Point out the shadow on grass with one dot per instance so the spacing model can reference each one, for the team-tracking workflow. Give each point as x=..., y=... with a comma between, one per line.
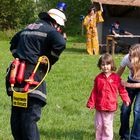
x=75, y=50
x=74, y=135
x=59, y=134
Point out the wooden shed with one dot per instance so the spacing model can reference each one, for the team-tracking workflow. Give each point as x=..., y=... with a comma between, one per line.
x=127, y=12
x=119, y=2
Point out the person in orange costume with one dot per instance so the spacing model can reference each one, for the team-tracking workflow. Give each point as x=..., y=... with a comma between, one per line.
x=90, y=23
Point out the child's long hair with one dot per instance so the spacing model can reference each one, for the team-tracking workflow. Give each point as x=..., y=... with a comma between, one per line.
x=107, y=59
x=134, y=56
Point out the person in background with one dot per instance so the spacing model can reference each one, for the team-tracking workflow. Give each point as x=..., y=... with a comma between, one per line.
x=132, y=61
x=104, y=97
x=116, y=30
x=40, y=38
x=90, y=23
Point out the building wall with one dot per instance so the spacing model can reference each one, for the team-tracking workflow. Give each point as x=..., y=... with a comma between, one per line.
x=100, y=31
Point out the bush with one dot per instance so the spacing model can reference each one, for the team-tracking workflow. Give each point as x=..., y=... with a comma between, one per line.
x=7, y=34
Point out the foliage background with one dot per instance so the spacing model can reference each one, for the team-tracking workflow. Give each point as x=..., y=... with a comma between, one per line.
x=17, y=13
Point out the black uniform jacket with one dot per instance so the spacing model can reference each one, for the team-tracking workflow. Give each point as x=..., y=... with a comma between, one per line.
x=37, y=39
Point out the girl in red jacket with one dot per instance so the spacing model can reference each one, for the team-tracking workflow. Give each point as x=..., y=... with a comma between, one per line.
x=104, y=95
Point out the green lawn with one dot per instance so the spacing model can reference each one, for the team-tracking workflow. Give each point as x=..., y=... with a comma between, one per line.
x=69, y=84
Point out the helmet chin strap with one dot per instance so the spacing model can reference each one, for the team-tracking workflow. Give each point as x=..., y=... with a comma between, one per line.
x=53, y=24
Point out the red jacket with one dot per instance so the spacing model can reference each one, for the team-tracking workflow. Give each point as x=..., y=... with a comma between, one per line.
x=105, y=92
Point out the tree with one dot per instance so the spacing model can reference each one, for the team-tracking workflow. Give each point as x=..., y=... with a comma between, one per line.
x=15, y=13
x=18, y=13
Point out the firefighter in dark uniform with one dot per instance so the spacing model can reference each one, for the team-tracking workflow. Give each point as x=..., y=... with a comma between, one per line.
x=37, y=39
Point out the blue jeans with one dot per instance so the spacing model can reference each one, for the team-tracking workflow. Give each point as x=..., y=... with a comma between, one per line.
x=125, y=132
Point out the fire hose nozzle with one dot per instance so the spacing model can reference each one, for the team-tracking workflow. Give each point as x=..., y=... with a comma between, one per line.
x=43, y=60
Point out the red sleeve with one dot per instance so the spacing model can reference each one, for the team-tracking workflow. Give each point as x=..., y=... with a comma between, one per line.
x=92, y=98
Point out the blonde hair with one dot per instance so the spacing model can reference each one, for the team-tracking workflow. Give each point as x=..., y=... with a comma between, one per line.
x=108, y=59
x=134, y=56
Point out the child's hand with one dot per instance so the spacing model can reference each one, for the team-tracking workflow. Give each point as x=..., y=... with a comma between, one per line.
x=124, y=83
x=127, y=103
x=90, y=108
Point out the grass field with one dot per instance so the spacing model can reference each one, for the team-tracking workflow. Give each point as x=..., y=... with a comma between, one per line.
x=69, y=84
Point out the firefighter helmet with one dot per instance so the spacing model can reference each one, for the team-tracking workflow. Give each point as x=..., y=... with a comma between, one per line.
x=58, y=16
